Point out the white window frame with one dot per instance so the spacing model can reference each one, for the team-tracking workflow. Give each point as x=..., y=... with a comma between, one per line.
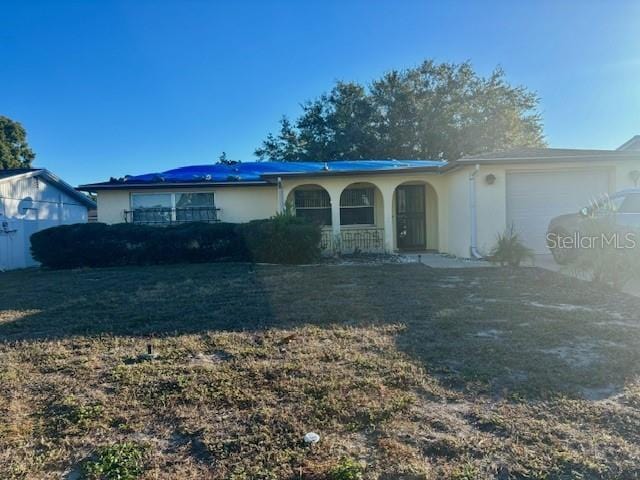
x=173, y=199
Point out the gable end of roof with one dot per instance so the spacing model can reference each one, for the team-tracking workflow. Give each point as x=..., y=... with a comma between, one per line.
x=16, y=172
x=633, y=144
x=13, y=174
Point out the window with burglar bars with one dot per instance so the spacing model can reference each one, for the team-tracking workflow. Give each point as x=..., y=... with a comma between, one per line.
x=169, y=208
x=357, y=206
x=313, y=205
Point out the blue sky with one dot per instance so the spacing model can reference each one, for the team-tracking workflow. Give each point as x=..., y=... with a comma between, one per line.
x=113, y=88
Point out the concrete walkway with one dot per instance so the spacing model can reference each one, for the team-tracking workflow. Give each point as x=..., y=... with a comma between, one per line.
x=437, y=260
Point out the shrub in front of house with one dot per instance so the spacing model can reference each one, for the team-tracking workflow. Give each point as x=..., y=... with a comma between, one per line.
x=283, y=238
x=509, y=249
x=192, y=243
x=69, y=246
x=100, y=245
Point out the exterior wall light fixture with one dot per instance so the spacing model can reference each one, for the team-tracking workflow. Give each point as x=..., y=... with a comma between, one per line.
x=490, y=179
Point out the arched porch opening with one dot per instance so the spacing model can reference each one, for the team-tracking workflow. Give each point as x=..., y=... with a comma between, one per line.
x=415, y=211
x=311, y=202
x=361, y=218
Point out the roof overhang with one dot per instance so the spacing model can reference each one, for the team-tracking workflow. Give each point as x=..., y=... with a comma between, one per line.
x=96, y=187
x=550, y=159
x=330, y=173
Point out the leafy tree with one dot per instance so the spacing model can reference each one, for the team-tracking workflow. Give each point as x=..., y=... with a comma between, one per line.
x=224, y=160
x=433, y=111
x=14, y=150
x=285, y=146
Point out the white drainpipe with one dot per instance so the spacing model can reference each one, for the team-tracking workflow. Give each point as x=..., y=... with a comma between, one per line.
x=474, y=214
x=280, y=196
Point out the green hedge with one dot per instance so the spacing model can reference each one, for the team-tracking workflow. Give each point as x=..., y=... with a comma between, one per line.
x=278, y=240
x=281, y=239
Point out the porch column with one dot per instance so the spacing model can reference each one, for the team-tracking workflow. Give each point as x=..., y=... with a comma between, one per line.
x=387, y=197
x=334, y=195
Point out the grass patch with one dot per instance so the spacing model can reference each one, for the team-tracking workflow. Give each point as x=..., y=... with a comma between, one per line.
x=412, y=372
x=122, y=461
x=347, y=469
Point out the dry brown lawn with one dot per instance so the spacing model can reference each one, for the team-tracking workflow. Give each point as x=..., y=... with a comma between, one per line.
x=406, y=372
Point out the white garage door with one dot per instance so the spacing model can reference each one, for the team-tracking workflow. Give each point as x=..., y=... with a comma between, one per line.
x=534, y=198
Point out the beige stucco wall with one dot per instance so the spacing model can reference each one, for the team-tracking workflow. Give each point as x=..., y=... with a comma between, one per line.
x=112, y=205
x=458, y=219
x=236, y=204
x=491, y=199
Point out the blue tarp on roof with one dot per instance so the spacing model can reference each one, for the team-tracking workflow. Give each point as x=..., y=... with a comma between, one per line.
x=256, y=171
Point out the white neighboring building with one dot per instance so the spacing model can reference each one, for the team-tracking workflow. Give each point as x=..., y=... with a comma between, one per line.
x=31, y=200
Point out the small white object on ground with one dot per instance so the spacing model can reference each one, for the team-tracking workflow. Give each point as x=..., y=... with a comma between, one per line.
x=311, y=437
x=148, y=356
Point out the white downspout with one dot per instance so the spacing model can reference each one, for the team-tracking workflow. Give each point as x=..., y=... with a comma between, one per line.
x=474, y=213
x=280, y=196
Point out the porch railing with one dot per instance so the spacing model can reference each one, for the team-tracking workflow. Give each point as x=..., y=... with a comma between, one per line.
x=369, y=240
x=326, y=240
x=364, y=239
x=169, y=216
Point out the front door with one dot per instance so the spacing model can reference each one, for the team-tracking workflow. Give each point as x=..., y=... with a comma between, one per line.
x=410, y=217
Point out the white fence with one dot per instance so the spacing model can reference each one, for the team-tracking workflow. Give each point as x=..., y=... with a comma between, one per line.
x=14, y=241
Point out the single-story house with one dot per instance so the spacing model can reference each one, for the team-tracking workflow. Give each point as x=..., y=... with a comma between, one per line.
x=393, y=205
x=32, y=199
